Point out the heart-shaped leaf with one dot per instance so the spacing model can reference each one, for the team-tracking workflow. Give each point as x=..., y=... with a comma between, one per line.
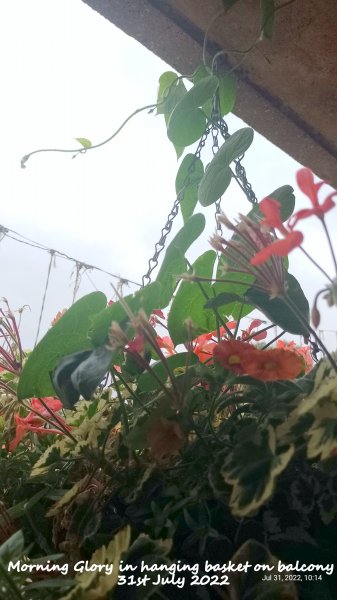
x=187, y=121
x=217, y=175
x=278, y=311
x=68, y=335
x=189, y=303
x=189, y=175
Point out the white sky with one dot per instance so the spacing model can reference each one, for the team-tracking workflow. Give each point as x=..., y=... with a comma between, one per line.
x=67, y=72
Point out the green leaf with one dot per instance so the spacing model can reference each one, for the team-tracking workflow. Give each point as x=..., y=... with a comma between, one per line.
x=189, y=175
x=285, y=196
x=175, y=265
x=147, y=298
x=189, y=303
x=235, y=286
x=267, y=17
x=278, y=311
x=192, y=229
x=217, y=175
x=223, y=298
x=57, y=582
x=147, y=383
x=68, y=335
x=84, y=142
x=171, y=89
x=12, y=547
x=187, y=122
x=227, y=93
x=214, y=183
x=252, y=467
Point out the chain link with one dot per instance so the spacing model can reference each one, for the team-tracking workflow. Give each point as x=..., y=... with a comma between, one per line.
x=160, y=245
x=240, y=172
x=215, y=116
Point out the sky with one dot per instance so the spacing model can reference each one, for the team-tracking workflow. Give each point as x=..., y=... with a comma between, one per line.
x=67, y=72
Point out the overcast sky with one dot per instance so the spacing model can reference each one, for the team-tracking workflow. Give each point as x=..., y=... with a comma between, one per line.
x=67, y=72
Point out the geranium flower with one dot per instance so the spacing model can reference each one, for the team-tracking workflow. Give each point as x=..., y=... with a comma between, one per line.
x=270, y=208
x=231, y=354
x=36, y=424
x=302, y=351
x=267, y=365
x=306, y=183
x=273, y=365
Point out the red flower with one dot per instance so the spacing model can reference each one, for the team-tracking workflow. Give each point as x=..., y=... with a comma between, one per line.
x=270, y=209
x=278, y=248
x=36, y=424
x=166, y=344
x=306, y=183
x=272, y=218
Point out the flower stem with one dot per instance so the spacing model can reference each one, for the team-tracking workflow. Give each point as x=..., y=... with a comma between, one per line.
x=316, y=264
x=292, y=306
x=330, y=244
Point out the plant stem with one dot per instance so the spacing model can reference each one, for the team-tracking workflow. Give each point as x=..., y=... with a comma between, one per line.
x=132, y=393
x=330, y=243
x=274, y=339
x=316, y=264
x=292, y=306
x=198, y=281
x=121, y=403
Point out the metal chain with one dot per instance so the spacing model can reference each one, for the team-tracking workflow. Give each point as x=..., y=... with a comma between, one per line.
x=160, y=245
x=240, y=172
x=215, y=116
x=215, y=126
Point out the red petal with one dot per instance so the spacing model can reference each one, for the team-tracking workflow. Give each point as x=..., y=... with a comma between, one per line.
x=305, y=181
x=279, y=248
x=270, y=208
x=255, y=323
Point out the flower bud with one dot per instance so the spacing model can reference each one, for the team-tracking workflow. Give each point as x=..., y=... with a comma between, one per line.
x=315, y=316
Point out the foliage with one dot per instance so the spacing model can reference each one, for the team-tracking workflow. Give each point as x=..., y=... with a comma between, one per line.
x=176, y=436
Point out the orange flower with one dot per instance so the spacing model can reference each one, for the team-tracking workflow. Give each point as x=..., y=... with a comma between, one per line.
x=302, y=351
x=231, y=355
x=165, y=438
x=273, y=365
x=266, y=365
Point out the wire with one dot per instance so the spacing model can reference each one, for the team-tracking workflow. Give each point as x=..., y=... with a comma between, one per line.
x=13, y=235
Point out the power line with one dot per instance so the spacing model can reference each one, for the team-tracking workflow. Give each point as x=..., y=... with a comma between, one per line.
x=80, y=264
